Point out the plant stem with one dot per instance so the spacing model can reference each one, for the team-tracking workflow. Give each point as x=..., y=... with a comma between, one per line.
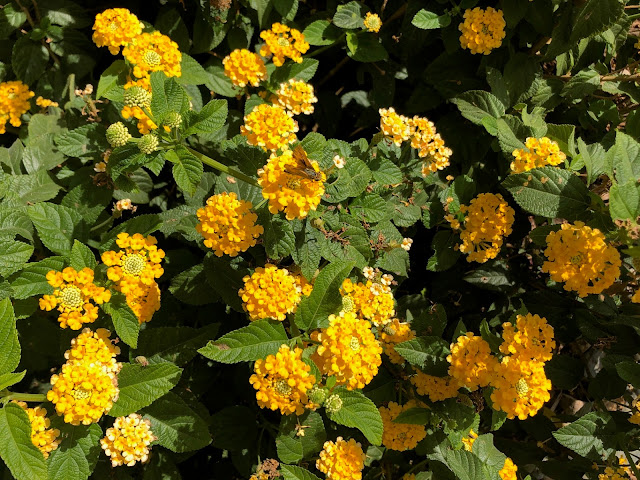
x=100, y=225
x=222, y=167
x=326, y=47
x=417, y=466
x=24, y=397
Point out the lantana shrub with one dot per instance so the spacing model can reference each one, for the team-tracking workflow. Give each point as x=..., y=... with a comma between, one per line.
x=320, y=240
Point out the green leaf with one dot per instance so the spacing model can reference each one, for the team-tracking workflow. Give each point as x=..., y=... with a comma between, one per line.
x=352, y=180
x=141, y=385
x=57, y=226
x=210, y=119
x=350, y=15
x=293, y=448
x=177, y=426
x=623, y=158
x=476, y=105
x=593, y=17
x=300, y=71
x=82, y=257
x=174, y=344
x=307, y=252
x=88, y=201
x=630, y=372
x=257, y=340
x=495, y=276
x=22, y=457
x=587, y=436
x=550, y=192
x=624, y=201
x=86, y=141
x=167, y=96
x=13, y=255
x=124, y=320
x=234, y=428
x=225, y=278
x=192, y=71
x=582, y=84
x=9, y=343
x=427, y=20
x=465, y=465
x=8, y=379
x=325, y=299
x=192, y=287
x=33, y=279
x=445, y=256
x=77, y=456
x=291, y=472
x=142, y=224
x=384, y=171
x=321, y=32
x=414, y=416
x=429, y=354
x=29, y=59
x=109, y=78
x=365, y=47
x=358, y=412
x=187, y=169
x=593, y=156
x=278, y=236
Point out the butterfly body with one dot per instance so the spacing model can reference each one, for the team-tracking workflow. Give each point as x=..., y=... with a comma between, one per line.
x=303, y=167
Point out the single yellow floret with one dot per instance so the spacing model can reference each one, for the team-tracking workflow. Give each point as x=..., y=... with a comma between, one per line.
x=282, y=381
x=372, y=22
x=341, y=460
x=283, y=42
x=509, y=470
x=228, y=225
x=75, y=296
x=580, y=257
x=482, y=30
x=531, y=338
x=244, y=67
x=270, y=292
x=539, y=153
x=348, y=350
x=436, y=388
x=521, y=387
x=471, y=361
x=289, y=188
x=400, y=436
x=153, y=52
x=128, y=441
x=14, y=102
x=43, y=436
x=269, y=127
x=115, y=28
x=296, y=96
x=392, y=334
x=396, y=127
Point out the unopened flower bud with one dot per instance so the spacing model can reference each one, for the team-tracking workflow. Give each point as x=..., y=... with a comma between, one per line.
x=317, y=223
x=333, y=404
x=148, y=143
x=173, y=120
x=347, y=304
x=117, y=134
x=137, y=96
x=317, y=395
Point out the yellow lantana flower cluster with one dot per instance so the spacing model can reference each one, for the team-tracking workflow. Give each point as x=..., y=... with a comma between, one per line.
x=487, y=222
x=348, y=350
x=471, y=361
x=580, y=257
x=372, y=22
x=153, y=52
x=115, y=28
x=270, y=292
x=42, y=435
x=14, y=102
x=539, y=153
x=73, y=295
x=482, y=30
x=283, y=42
x=94, y=346
x=509, y=470
x=86, y=388
x=394, y=126
x=341, y=460
x=244, y=67
x=269, y=127
x=282, y=381
x=288, y=187
x=372, y=301
x=228, y=225
x=296, y=96
x=128, y=440
x=393, y=333
x=531, y=338
x=134, y=269
x=400, y=436
x=436, y=388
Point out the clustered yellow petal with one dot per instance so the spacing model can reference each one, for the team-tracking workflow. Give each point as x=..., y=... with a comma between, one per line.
x=228, y=225
x=14, y=102
x=270, y=292
x=283, y=42
x=288, y=189
x=45, y=102
x=539, y=153
x=471, y=362
x=509, y=470
x=580, y=257
x=128, y=440
x=488, y=220
x=394, y=126
x=74, y=296
x=348, y=350
x=429, y=144
x=296, y=96
x=282, y=381
x=482, y=30
x=92, y=346
x=531, y=338
x=115, y=28
x=134, y=269
x=393, y=333
x=269, y=127
x=244, y=67
x=436, y=388
x=341, y=460
x=86, y=388
x=153, y=52
x=372, y=22
x=372, y=301
x=400, y=436
x=42, y=435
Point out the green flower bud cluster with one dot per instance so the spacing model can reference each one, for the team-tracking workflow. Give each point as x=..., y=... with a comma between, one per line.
x=118, y=135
